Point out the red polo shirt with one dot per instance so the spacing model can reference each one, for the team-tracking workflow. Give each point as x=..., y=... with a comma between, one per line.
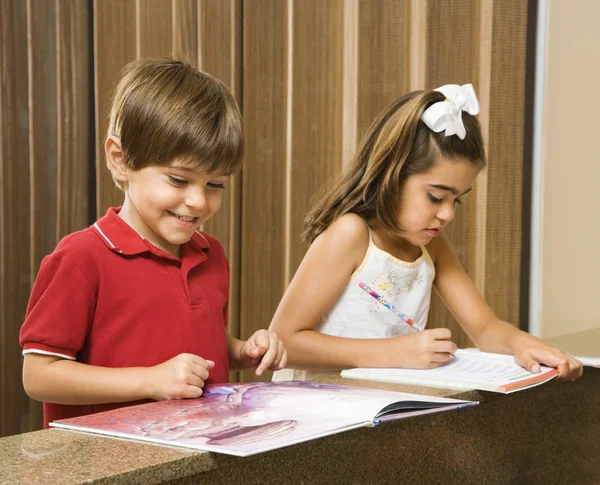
x=108, y=297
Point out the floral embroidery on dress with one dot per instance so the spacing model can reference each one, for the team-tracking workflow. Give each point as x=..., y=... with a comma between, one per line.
x=416, y=280
x=386, y=285
x=389, y=285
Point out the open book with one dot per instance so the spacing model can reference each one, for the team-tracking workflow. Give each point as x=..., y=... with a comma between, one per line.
x=468, y=369
x=246, y=418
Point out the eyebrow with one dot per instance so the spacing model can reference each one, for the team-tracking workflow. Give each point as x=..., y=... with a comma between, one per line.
x=181, y=167
x=452, y=190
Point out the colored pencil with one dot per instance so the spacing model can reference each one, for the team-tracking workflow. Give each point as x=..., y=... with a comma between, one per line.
x=389, y=306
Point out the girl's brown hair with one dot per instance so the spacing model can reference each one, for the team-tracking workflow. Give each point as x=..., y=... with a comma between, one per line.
x=164, y=109
x=397, y=145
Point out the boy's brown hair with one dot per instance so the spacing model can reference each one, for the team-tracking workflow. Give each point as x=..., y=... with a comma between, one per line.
x=165, y=109
x=397, y=145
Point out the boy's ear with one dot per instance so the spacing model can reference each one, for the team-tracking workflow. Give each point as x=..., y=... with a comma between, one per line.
x=115, y=158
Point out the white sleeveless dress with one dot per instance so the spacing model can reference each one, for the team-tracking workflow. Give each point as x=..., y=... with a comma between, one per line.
x=356, y=314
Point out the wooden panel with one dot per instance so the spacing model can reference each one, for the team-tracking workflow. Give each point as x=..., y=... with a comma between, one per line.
x=14, y=212
x=452, y=42
x=43, y=141
x=75, y=110
x=185, y=30
x=505, y=153
x=43, y=134
x=263, y=191
x=383, y=38
x=154, y=23
x=114, y=46
x=452, y=57
x=220, y=54
x=218, y=43
x=316, y=111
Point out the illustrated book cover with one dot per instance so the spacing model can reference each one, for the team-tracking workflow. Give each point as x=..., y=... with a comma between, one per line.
x=247, y=418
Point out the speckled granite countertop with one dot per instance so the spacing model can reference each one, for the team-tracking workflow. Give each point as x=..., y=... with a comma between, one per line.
x=56, y=456
x=491, y=443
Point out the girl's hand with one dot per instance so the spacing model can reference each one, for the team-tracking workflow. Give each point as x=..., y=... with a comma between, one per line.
x=423, y=350
x=183, y=376
x=264, y=350
x=530, y=353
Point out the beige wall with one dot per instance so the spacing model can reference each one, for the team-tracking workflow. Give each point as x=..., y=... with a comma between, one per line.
x=570, y=222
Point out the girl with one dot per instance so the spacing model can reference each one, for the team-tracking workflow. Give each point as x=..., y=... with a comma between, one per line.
x=381, y=226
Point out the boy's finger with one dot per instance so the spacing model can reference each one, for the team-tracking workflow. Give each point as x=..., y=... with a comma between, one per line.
x=269, y=355
x=262, y=340
x=283, y=360
x=252, y=352
x=192, y=392
x=278, y=353
x=278, y=364
x=196, y=380
x=199, y=371
x=207, y=364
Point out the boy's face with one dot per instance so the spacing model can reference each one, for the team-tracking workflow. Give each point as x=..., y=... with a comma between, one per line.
x=166, y=204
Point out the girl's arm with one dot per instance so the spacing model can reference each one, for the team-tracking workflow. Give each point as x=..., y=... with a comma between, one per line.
x=61, y=381
x=322, y=276
x=487, y=331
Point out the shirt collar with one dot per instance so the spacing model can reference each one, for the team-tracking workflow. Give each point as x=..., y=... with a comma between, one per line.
x=120, y=237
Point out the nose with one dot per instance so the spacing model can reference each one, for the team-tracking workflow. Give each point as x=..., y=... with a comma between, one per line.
x=196, y=200
x=446, y=212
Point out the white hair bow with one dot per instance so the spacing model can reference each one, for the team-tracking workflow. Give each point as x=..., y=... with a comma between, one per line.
x=447, y=114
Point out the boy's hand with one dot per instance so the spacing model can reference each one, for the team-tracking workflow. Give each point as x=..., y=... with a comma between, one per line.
x=181, y=377
x=423, y=350
x=530, y=353
x=264, y=350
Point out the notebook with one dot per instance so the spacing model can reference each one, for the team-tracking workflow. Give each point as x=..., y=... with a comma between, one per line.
x=468, y=369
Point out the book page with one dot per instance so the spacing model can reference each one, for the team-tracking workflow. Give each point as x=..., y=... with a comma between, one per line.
x=357, y=404
x=468, y=369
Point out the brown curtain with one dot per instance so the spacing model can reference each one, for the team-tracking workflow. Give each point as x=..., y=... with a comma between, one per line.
x=309, y=75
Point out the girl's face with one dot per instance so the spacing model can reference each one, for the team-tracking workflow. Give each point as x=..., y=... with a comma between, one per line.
x=166, y=204
x=428, y=200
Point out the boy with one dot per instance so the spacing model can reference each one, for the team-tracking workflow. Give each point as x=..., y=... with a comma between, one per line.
x=135, y=306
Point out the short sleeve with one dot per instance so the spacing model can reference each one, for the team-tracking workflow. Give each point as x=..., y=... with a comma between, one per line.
x=60, y=309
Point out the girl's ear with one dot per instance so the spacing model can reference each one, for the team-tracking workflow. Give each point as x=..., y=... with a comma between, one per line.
x=115, y=158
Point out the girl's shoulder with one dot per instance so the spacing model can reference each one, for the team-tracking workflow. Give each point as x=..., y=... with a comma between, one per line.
x=351, y=225
x=348, y=234
x=351, y=229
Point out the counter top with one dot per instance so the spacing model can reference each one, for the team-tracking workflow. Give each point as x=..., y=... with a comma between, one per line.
x=57, y=456
x=495, y=442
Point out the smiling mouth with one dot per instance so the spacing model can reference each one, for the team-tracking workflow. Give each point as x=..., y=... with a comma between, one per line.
x=184, y=218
